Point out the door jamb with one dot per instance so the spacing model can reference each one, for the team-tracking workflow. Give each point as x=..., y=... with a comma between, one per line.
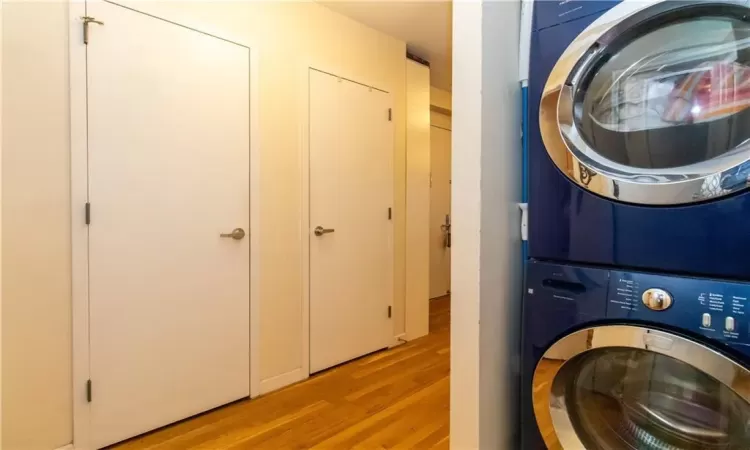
x=79, y=229
x=1, y=218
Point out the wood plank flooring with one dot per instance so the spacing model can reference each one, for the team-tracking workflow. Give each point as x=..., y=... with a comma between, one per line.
x=397, y=398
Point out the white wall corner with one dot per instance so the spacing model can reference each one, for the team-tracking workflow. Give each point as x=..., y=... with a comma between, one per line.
x=465, y=212
x=501, y=261
x=486, y=261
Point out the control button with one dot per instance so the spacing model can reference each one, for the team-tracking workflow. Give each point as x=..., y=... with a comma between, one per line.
x=706, y=320
x=656, y=299
x=729, y=324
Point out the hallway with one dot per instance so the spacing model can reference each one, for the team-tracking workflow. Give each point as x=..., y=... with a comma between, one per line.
x=396, y=398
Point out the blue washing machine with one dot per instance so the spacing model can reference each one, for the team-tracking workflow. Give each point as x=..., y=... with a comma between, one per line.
x=639, y=135
x=616, y=360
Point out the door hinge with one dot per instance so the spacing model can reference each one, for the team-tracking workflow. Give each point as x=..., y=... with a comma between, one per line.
x=390, y=311
x=86, y=21
x=390, y=213
x=88, y=213
x=88, y=391
x=390, y=114
x=524, y=221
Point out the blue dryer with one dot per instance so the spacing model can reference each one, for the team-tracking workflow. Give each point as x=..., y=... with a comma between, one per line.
x=639, y=135
x=618, y=360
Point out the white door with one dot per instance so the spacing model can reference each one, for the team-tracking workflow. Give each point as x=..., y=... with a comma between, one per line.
x=168, y=112
x=351, y=191
x=440, y=205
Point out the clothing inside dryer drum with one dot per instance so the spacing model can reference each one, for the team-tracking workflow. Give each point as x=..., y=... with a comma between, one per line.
x=675, y=96
x=624, y=398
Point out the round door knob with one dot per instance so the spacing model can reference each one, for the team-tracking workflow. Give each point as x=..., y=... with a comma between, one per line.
x=237, y=234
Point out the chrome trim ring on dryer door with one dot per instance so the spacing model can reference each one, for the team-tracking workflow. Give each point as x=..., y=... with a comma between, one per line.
x=557, y=378
x=725, y=171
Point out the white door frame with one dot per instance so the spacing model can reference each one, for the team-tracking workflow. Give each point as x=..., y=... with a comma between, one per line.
x=1, y=220
x=79, y=229
x=305, y=195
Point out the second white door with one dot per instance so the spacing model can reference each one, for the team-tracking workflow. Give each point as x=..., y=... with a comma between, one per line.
x=351, y=193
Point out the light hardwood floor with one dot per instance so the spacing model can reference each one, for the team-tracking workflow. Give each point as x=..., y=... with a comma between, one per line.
x=397, y=398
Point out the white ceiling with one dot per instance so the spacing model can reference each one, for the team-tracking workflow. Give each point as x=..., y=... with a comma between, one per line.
x=424, y=25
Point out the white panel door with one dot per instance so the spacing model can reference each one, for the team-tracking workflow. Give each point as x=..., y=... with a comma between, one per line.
x=440, y=208
x=168, y=111
x=351, y=191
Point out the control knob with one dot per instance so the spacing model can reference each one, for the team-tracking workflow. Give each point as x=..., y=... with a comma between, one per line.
x=657, y=299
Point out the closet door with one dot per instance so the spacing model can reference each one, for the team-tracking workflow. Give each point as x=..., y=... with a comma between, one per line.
x=351, y=232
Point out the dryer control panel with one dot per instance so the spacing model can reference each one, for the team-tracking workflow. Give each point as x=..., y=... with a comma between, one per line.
x=715, y=309
x=554, y=12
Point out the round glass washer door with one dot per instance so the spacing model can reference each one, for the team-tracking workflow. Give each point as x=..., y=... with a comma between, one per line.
x=631, y=387
x=657, y=106
x=635, y=399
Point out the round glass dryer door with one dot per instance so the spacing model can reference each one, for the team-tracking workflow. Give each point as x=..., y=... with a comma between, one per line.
x=654, y=107
x=635, y=388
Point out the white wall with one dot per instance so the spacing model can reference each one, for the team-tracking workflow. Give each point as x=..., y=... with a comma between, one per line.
x=417, y=199
x=486, y=262
x=36, y=294
x=466, y=211
x=36, y=290
x=501, y=265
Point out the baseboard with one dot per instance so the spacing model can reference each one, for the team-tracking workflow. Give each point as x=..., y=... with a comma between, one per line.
x=280, y=381
x=66, y=447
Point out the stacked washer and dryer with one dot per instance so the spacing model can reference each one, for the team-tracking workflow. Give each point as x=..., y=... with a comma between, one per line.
x=636, y=329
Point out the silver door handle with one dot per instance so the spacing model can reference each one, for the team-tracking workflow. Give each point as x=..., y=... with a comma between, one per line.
x=320, y=231
x=237, y=234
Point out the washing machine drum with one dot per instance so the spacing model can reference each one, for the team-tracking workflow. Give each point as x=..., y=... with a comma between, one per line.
x=636, y=388
x=634, y=399
x=656, y=102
